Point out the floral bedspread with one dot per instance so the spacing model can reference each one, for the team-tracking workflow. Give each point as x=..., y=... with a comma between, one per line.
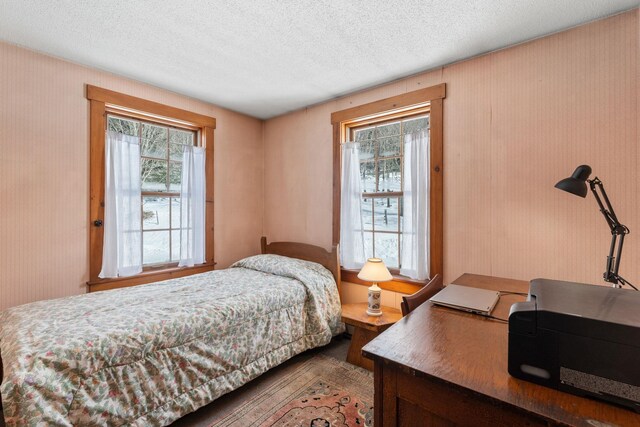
x=147, y=355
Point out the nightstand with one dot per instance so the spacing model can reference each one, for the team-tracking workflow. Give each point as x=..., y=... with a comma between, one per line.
x=366, y=328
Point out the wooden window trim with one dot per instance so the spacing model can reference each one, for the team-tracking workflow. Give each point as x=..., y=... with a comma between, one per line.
x=388, y=118
x=147, y=277
x=395, y=106
x=389, y=105
x=102, y=102
x=148, y=108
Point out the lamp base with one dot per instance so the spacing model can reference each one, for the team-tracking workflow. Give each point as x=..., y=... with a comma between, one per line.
x=373, y=308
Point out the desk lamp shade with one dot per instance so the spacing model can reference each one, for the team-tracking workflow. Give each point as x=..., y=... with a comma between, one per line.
x=374, y=271
x=576, y=183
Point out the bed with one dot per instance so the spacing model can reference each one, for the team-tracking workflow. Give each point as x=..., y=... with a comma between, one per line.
x=147, y=355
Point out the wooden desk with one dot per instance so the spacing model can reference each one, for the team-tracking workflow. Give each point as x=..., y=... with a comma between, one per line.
x=442, y=367
x=366, y=328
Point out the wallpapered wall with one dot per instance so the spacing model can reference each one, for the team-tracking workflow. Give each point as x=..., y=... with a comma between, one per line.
x=44, y=174
x=515, y=122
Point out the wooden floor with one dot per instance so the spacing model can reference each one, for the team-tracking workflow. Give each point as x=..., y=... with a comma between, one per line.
x=204, y=416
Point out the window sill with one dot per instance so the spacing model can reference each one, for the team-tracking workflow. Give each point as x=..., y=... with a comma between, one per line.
x=399, y=284
x=149, y=276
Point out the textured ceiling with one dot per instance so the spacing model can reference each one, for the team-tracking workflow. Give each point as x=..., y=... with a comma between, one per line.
x=268, y=57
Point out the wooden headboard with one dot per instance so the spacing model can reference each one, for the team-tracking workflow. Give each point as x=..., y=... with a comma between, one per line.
x=306, y=252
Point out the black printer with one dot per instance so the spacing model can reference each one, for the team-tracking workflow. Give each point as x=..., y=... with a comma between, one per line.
x=579, y=338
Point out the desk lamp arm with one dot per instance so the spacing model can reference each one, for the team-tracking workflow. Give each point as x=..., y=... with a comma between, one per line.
x=618, y=232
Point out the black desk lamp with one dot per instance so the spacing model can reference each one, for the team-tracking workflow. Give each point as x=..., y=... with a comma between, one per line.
x=576, y=184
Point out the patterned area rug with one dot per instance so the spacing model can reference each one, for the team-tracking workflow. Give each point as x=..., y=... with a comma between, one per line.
x=322, y=392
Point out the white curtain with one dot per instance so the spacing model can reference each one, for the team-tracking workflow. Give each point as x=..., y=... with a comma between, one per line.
x=415, y=206
x=351, y=227
x=192, y=207
x=122, y=246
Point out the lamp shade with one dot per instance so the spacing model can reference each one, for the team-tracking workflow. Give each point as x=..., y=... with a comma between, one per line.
x=375, y=271
x=576, y=183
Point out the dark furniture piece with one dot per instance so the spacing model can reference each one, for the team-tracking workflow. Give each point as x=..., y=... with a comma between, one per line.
x=366, y=328
x=443, y=367
x=410, y=302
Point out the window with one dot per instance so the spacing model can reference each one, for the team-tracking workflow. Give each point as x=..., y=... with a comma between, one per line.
x=160, y=174
x=378, y=130
x=381, y=169
x=162, y=136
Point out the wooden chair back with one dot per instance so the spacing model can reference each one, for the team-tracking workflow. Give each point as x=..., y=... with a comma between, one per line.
x=410, y=302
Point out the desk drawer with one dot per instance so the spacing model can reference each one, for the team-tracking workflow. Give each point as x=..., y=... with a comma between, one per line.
x=424, y=402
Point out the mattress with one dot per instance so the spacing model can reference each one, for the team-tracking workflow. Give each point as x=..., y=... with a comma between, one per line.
x=147, y=355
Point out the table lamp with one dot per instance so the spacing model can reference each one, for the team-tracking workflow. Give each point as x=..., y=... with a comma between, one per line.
x=577, y=184
x=374, y=271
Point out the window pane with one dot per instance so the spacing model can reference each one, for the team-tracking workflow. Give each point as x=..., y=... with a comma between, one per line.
x=362, y=134
x=175, y=176
x=155, y=247
x=388, y=130
x=175, y=151
x=389, y=147
x=387, y=248
x=155, y=213
x=175, y=212
x=412, y=125
x=154, y=141
x=367, y=213
x=178, y=139
x=367, y=172
x=368, y=245
x=184, y=137
x=389, y=175
x=175, y=245
x=367, y=150
x=153, y=175
x=127, y=127
x=386, y=213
